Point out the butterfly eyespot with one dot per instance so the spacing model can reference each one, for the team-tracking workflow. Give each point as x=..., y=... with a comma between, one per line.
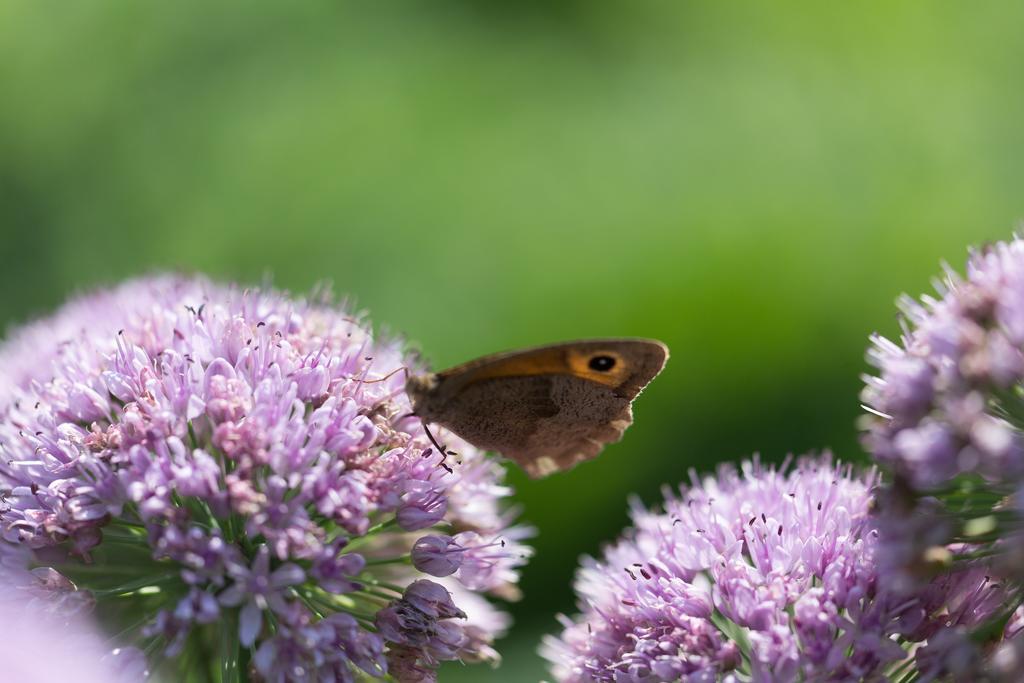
x=602, y=363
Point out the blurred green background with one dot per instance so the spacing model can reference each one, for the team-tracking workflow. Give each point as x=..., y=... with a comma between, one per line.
x=752, y=183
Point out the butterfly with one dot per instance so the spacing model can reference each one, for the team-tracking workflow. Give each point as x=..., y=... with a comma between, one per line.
x=547, y=408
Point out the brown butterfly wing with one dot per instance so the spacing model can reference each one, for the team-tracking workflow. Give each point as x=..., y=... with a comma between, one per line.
x=545, y=408
x=546, y=423
x=640, y=361
x=590, y=416
x=495, y=414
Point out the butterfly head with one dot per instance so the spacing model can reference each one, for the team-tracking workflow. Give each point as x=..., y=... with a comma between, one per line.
x=419, y=387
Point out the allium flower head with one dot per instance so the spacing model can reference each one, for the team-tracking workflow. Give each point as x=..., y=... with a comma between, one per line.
x=947, y=421
x=205, y=460
x=760, y=574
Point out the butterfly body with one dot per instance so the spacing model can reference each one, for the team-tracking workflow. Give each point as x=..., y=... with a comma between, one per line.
x=546, y=408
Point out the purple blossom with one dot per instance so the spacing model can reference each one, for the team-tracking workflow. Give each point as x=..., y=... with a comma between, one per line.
x=258, y=589
x=945, y=402
x=406, y=664
x=760, y=574
x=424, y=623
x=246, y=459
x=333, y=569
x=1007, y=660
x=946, y=420
x=45, y=642
x=437, y=555
x=304, y=649
x=966, y=600
x=477, y=562
x=423, y=505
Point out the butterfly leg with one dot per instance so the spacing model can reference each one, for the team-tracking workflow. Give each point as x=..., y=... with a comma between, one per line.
x=443, y=449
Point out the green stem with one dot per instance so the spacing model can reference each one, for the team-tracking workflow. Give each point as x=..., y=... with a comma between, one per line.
x=310, y=603
x=402, y=559
x=231, y=649
x=381, y=595
x=155, y=643
x=369, y=581
x=115, y=639
x=375, y=529
x=71, y=570
x=122, y=521
x=134, y=586
x=244, y=655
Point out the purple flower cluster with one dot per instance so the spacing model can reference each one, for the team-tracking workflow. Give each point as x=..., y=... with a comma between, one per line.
x=948, y=399
x=220, y=458
x=947, y=421
x=761, y=574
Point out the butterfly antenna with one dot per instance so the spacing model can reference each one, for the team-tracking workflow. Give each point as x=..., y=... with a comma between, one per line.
x=384, y=378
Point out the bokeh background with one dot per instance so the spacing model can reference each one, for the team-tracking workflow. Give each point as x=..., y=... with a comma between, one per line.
x=752, y=183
